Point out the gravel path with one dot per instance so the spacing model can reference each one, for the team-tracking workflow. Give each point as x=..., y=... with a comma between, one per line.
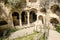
x=21, y=33
x=54, y=35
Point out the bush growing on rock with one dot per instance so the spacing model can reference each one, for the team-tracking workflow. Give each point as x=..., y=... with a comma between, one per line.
x=58, y=28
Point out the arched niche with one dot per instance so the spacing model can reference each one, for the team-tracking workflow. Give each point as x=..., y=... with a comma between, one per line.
x=24, y=17
x=33, y=16
x=15, y=16
x=40, y=18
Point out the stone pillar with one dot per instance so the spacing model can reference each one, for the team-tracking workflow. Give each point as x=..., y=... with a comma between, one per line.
x=47, y=20
x=28, y=18
x=44, y=20
x=38, y=13
x=20, y=20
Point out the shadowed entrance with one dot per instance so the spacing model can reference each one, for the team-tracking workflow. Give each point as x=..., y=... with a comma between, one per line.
x=15, y=16
x=24, y=18
x=33, y=17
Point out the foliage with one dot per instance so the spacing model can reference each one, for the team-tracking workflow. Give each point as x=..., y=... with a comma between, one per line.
x=42, y=37
x=7, y=34
x=10, y=31
x=58, y=28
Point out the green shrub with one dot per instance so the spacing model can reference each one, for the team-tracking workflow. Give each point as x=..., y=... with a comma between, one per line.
x=42, y=37
x=10, y=31
x=58, y=28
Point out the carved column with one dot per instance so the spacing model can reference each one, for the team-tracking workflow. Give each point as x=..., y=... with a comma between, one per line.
x=28, y=18
x=20, y=20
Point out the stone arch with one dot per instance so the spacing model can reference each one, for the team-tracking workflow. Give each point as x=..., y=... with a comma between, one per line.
x=54, y=21
x=40, y=17
x=24, y=17
x=15, y=16
x=32, y=15
x=33, y=9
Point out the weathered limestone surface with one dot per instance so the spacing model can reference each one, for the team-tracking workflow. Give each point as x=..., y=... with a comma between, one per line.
x=21, y=33
x=53, y=35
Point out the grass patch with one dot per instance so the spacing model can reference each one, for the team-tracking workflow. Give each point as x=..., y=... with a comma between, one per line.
x=42, y=37
x=10, y=31
x=8, y=34
x=58, y=28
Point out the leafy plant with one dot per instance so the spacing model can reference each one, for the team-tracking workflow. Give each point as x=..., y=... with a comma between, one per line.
x=10, y=31
x=58, y=28
x=42, y=37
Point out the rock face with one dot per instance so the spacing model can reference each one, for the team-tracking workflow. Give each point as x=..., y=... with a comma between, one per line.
x=48, y=3
x=3, y=23
x=21, y=33
x=29, y=14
